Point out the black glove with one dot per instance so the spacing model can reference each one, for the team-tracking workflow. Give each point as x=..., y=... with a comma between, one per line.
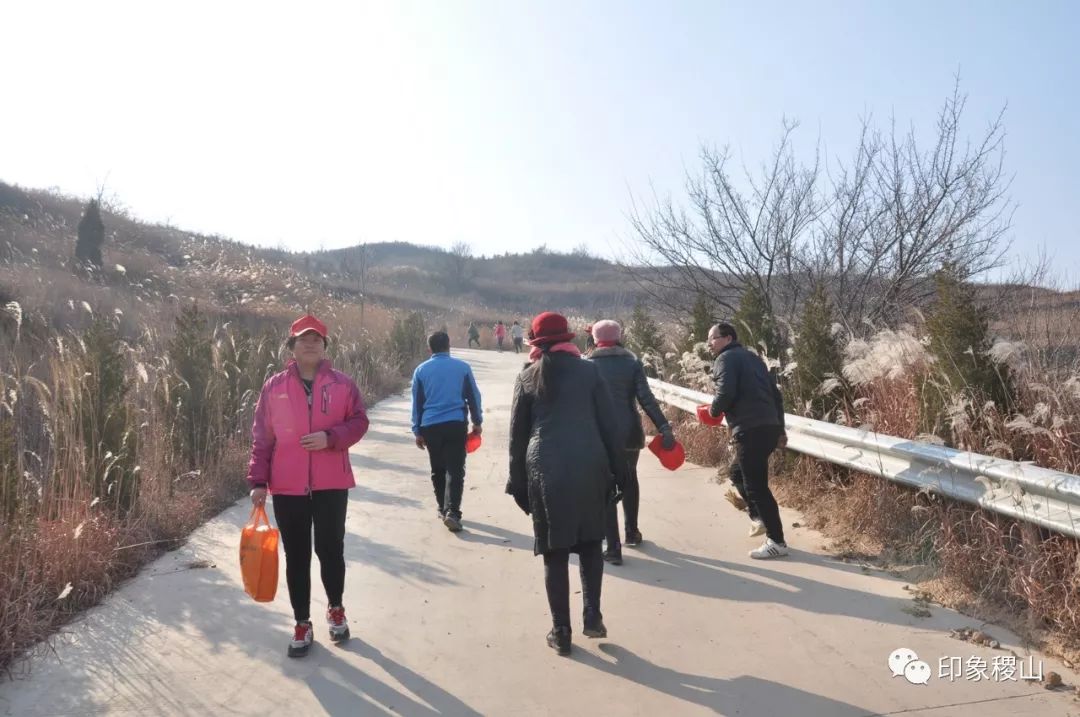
x=614, y=493
x=667, y=437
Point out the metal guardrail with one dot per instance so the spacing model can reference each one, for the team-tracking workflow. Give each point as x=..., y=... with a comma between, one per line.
x=1023, y=491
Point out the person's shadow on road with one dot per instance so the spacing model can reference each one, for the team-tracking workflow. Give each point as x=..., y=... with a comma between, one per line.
x=746, y=695
x=354, y=689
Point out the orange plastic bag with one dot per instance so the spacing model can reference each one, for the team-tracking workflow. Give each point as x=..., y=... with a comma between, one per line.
x=259, y=556
x=472, y=442
x=668, y=459
x=708, y=420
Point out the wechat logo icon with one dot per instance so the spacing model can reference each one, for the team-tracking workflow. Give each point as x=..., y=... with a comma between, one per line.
x=905, y=663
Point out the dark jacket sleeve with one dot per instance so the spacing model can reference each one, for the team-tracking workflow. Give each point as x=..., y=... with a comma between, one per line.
x=646, y=399
x=726, y=377
x=520, y=431
x=609, y=432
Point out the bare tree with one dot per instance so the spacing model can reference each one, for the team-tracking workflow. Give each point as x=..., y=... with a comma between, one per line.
x=357, y=264
x=899, y=213
x=728, y=240
x=460, y=259
x=873, y=232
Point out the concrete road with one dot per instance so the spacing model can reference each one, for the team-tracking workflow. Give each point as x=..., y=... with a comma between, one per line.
x=447, y=624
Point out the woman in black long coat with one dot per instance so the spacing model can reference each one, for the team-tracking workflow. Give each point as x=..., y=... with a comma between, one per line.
x=565, y=466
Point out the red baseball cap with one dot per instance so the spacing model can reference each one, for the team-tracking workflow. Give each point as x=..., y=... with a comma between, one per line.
x=305, y=324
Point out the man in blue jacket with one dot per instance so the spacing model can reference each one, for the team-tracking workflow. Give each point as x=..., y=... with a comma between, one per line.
x=444, y=394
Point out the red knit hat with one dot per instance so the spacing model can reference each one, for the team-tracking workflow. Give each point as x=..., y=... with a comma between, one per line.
x=305, y=324
x=550, y=328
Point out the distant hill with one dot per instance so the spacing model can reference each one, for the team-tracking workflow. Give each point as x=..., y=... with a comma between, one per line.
x=514, y=284
x=147, y=261
x=37, y=237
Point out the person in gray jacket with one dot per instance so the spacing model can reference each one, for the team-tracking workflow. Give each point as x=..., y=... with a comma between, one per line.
x=624, y=375
x=565, y=465
x=748, y=395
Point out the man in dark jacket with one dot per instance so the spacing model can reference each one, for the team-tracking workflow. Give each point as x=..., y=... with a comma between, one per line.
x=624, y=375
x=749, y=397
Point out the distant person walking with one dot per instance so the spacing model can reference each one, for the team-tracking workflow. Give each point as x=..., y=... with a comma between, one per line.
x=624, y=375
x=565, y=466
x=444, y=395
x=517, y=333
x=306, y=418
x=474, y=335
x=751, y=400
x=500, y=334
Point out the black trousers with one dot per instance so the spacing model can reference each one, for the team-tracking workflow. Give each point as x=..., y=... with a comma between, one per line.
x=557, y=579
x=474, y=340
x=296, y=515
x=753, y=447
x=735, y=473
x=518, y=344
x=446, y=452
x=631, y=502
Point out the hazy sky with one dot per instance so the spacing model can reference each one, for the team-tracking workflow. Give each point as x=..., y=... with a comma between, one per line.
x=505, y=124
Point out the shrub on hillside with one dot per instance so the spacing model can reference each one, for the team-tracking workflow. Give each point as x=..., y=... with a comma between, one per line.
x=642, y=335
x=958, y=330
x=755, y=323
x=91, y=235
x=700, y=321
x=815, y=387
x=107, y=432
x=408, y=338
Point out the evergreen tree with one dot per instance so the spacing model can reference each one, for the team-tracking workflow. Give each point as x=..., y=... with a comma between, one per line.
x=816, y=355
x=642, y=334
x=959, y=332
x=701, y=320
x=755, y=323
x=408, y=339
x=91, y=233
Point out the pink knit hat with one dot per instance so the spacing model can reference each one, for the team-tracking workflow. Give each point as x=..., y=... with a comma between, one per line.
x=607, y=331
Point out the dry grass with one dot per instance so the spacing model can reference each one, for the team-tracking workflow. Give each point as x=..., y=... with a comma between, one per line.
x=76, y=518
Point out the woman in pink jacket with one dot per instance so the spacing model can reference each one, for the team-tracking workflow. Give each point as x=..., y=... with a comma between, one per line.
x=307, y=417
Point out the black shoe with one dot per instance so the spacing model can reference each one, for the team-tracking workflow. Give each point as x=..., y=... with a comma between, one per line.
x=613, y=556
x=559, y=640
x=633, y=538
x=594, y=624
x=452, y=523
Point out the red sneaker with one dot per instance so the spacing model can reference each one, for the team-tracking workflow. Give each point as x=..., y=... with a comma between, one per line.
x=303, y=636
x=339, y=626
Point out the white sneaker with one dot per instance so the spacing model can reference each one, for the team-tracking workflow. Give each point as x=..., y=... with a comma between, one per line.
x=756, y=528
x=769, y=549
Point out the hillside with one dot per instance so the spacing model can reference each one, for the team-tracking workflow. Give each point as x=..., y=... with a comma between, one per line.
x=144, y=263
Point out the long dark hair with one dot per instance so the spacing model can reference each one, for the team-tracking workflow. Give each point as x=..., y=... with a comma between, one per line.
x=541, y=375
